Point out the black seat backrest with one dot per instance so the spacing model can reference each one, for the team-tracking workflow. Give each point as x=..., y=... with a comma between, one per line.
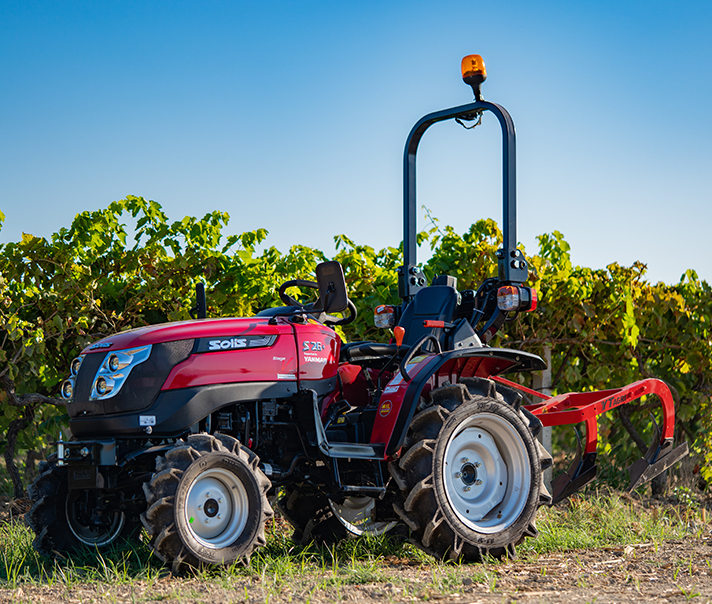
x=434, y=303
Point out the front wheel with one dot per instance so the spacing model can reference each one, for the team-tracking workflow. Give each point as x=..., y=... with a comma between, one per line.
x=207, y=503
x=471, y=478
x=66, y=520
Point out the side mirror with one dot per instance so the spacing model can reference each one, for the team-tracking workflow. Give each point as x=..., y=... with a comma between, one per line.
x=332, y=287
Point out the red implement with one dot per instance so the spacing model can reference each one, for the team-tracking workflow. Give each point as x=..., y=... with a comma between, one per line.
x=585, y=407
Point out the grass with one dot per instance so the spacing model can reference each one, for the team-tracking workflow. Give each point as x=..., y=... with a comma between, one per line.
x=309, y=573
x=600, y=520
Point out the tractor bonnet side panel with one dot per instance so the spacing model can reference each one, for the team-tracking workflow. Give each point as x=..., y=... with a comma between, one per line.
x=220, y=351
x=241, y=361
x=318, y=350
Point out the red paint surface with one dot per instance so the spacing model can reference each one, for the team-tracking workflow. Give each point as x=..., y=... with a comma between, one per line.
x=394, y=392
x=317, y=350
x=186, y=330
x=276, y=363
x=354, y=385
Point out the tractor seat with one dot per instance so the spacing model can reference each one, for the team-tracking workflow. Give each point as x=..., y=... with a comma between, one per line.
x=434, y=303
x=360, y=352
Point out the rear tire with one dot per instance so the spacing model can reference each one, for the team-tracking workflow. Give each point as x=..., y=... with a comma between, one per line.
x=207, y=503
x=318, y=519
x=470, y=475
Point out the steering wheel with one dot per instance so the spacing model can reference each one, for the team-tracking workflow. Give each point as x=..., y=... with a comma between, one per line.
x=288, y=300
x=310, y=308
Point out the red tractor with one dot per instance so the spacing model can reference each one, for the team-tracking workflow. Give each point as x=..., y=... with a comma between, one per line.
x=191, y=429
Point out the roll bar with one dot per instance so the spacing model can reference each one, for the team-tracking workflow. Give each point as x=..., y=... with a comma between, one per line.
x=512, y=268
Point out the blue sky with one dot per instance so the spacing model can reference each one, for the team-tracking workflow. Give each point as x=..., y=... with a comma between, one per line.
x=292, y=116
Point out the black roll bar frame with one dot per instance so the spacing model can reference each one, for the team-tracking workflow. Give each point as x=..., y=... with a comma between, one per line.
x=512, y=267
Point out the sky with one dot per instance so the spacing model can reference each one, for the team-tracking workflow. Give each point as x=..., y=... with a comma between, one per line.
x=292, y=116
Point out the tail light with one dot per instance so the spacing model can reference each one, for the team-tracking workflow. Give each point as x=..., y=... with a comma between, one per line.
x=514, y=297
x=384, y=316
x=508, y=298
x=534, y=299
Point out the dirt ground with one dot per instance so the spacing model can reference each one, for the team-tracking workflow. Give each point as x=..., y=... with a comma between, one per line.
x=677, y=571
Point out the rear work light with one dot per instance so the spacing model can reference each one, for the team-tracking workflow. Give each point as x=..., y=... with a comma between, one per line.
x=516, y=298
x=384, y=316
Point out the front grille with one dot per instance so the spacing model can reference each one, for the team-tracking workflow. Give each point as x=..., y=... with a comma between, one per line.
x=145, y=380
x=140, y=388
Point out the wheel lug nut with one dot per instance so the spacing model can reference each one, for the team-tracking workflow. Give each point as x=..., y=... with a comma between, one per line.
x=464, y=460
x=200, y=506
x=207, y=521
x=457, y=474
x=478, y=482
x=477, y=464
x=207, y=495
x=467, y=488
x=219, y=516
x=219, y=499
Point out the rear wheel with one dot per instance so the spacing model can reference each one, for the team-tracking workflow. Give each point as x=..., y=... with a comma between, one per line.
x=357, y=514
x=470, y=476
x=207, y=503
x=321, y=520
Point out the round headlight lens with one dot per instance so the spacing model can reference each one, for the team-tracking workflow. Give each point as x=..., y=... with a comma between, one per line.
x=67, y=390
x=113, y=363
x=76, y=364
x=101, y=386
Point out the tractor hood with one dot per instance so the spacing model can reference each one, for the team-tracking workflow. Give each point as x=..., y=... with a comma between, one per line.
x=188, y=330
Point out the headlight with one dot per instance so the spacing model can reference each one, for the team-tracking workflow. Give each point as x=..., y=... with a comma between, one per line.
x=67, y=389
x=114, y=370
x=113, y=362
x=103, y=385
x=76, y=364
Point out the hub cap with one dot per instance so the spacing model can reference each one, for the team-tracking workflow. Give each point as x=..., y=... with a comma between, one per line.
x=86, y=525
x=217, y=508
x=487, y=473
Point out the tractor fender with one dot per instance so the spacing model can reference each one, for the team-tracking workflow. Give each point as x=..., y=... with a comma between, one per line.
x=400, y=397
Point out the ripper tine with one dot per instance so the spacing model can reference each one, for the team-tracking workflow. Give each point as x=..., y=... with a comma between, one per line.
x=581, y=471
x=655, y=462
x=658, y=458
x=579, y=446
x=579, y=474
x=657, y=433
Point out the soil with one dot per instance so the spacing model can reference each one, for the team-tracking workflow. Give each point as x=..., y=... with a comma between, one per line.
x=676, y=571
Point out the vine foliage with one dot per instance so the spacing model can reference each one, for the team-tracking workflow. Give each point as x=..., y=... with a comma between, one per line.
x=605, y=327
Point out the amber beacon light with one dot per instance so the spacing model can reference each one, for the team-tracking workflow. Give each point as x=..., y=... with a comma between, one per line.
x=474, y=73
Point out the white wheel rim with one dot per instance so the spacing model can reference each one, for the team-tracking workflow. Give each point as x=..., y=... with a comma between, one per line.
x=356, y=514
x=217, y=508
x=87, y=535
x=487, y=473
